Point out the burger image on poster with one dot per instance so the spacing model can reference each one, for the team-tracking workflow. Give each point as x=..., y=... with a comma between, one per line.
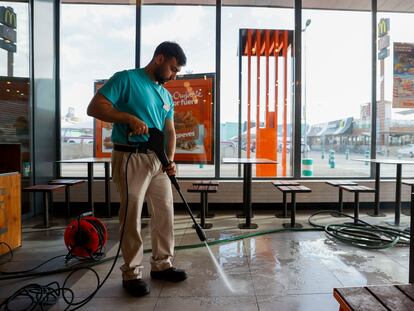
x=189, y=133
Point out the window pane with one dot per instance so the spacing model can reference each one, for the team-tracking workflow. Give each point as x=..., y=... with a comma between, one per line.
x=256, y=87
x=15, y=121
x=336, y=80
x=193, y=28
x=96, y=41
x=395, y=86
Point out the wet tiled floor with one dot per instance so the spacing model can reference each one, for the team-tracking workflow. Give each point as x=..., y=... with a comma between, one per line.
x=274, y=271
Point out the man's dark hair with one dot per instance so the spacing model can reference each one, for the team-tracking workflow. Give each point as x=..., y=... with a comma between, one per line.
x=171, y=49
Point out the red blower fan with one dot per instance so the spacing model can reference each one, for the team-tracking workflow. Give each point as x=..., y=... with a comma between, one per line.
x=85, y=237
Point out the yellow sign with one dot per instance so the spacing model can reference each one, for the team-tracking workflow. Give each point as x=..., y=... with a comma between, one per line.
x=383, y=27
x=8, y=17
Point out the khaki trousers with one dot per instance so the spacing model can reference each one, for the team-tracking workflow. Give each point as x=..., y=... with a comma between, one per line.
x=146, y=180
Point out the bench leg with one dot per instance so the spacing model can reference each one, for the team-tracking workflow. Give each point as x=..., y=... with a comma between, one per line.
x=293, y=211
x=204, y=203
x=284, y=214
x=67, y=201
x=341, y=200
x=47, y=198
x=206, y=214
x=356, y=208
x=340, y=204
x=408, y=212
x=293, y=223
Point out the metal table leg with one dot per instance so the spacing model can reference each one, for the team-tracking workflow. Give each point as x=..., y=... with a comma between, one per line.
x=245, y=181
x=46, y=202
x=90, y=188
x=398, y=182
x=376, y=212
x=248, y=203
x=107, y=190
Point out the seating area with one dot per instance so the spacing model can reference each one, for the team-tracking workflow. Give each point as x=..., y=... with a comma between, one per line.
x=356, y=190
x=338, y=184
x=292, y=190
x=376, y=298
x=204, y=188
x=47, y=191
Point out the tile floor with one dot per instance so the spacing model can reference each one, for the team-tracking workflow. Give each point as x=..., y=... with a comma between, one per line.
x=279, y=271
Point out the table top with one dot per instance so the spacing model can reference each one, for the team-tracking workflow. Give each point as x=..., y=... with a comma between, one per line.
x=248, y=161
x=86, y=160
x=385, y=161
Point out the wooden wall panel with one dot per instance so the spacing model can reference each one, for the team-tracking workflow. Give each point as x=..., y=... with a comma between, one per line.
x=10, y=211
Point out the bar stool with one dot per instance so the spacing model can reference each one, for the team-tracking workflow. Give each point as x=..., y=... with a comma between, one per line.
x=293, y=190
x=408, y=183
x=203, y=190
x=278, y=183
x=206, y=183
x=338, y=184
x=357, y=190
x=68, y=183
x=47, y=191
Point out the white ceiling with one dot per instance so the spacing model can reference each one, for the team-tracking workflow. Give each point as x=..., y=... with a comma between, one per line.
x=358, y=5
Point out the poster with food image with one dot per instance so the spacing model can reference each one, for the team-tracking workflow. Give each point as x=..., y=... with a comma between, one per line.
x=403, y=88
x=193, y=120
x=193, y=117
x=103, y=132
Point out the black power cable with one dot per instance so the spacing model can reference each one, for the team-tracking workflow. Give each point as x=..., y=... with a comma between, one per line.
x=42, y=296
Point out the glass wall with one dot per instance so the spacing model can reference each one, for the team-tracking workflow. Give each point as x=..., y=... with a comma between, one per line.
x=193, y=28
x=336, y=80
x=258, y=82
x=15, y=116
x=96, y=41
x=256, y=90
x=395, y=89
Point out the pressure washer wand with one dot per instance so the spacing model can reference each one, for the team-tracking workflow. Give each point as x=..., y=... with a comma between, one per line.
x=156, y=144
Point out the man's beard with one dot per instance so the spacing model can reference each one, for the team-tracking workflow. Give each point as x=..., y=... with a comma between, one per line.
x=158, y=76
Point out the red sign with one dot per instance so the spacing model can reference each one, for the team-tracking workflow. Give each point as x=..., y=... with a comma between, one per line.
x=193, y=118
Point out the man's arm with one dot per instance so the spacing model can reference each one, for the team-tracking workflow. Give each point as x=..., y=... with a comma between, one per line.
x=170, y=138
x=102, y=109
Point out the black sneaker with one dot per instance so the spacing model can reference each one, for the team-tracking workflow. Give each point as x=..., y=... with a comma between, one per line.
x=136, y=287
x=171, y=274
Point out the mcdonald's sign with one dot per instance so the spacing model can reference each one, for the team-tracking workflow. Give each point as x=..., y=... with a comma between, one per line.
x=8, y=17
x=383, y=27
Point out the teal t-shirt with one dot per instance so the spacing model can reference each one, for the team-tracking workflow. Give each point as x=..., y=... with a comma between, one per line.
x=132, y=91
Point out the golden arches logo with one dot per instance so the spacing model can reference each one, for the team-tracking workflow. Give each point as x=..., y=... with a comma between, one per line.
x=383, y=26
x=8, y=17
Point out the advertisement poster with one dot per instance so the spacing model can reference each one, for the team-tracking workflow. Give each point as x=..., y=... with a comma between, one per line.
x=103, y=131
x=403, y=89
x=193, y=118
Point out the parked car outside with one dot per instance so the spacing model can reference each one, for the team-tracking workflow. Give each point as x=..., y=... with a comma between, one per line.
x=77, y=136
